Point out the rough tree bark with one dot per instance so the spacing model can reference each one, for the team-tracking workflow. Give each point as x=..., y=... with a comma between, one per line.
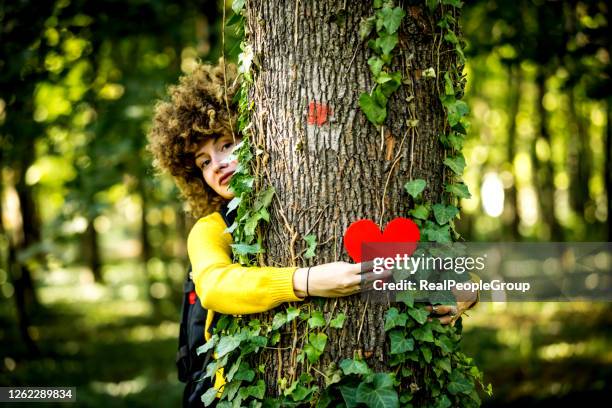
x=329, y=165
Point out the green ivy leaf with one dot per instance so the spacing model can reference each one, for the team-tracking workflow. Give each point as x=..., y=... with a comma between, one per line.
x=311, y=239
x=316, y=320
x=444, y=213
x=237, y=6
x=208, y=345
x=459, y=383
x=349, y=395
x=418, y=314
x=226, y=345
x=279, y=320
x=256, y=391
x=445, y=344
x=451, y=37
x=389, y=82
x=427, y=354
x=443, y=402
x=407, y=297
x=333, y=375
x=379, y=393
x=244, y=249
x=444, y=364
x=234, y=19
x=394, y=318
x=386, y=42
x=365, y=27
x=423, y=333
x=233, y=204
x=301, y=393
x=421, y=212
x=456, y=110
x=315, y=346
x=229, y=391
x=391, y=18
x=375, y=112
x=351, y=366
x=338, y=321
x=449, y=89
x=209, y=396
x=292, y=313
x=435, y=233
x=244, y=373
x=456, y=163
x=251, y=224
x=415, y=187
x=264, y=198
x=399, y=343
x=454, y=141
x=459, y=190
x=376, y=65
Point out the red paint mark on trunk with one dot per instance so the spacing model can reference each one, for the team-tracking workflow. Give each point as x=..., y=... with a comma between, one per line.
x=318, y=113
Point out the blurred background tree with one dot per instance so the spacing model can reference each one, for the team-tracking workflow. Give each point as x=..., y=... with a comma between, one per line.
x=92, y=244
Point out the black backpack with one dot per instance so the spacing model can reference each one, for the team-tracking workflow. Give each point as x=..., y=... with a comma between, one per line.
x=192, y=367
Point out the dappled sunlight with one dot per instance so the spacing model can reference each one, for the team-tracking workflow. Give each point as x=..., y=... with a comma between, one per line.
x=535, y=341
x=492, y=192
x=121, y=389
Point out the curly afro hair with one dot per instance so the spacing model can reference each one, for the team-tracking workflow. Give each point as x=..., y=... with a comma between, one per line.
x=195, y=112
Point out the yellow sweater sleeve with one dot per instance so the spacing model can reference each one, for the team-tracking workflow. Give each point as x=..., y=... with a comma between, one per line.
x=230, y=288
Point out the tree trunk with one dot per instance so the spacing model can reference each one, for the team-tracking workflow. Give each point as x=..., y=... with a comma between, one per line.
x=92, y=250
x=543, y=170
x=515, y=81
x=22, y=286
x=30, y=232
x=328, y=164
x=608, y=165
x=147, y=250
x=579, y=160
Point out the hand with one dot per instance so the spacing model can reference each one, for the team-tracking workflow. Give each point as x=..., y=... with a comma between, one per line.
x=449, y=314
x=335, y=279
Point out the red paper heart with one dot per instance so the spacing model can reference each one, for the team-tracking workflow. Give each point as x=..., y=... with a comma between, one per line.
x=399, y=231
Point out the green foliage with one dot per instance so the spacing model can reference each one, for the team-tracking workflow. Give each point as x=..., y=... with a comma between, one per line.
x=394, y=318
x=378, y=393
x=316, y=320
x=460, y=190
x=415, y=187
x=456, y=163
x=315, y=346
x=444, y=213
x=338, y=321
x=399, y=343
x=311, y=240
x=387, y=21
x=354, y=366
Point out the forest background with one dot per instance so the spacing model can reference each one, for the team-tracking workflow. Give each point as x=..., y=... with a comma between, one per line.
x=92, y=244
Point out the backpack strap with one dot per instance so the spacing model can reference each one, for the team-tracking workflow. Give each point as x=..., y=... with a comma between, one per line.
x=228, y=218
x=191, y=367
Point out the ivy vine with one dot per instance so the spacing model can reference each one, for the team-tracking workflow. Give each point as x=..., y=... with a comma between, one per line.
x=426, y=364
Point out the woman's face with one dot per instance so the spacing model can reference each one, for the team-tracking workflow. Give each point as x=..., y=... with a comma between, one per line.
x=212, y=159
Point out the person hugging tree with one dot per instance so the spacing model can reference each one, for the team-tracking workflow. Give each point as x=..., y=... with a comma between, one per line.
x=192, y=138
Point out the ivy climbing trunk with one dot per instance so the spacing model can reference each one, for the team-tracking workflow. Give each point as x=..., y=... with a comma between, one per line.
x=328, y=164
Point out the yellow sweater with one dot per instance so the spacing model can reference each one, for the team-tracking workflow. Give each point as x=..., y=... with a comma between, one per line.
x=230, y=288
